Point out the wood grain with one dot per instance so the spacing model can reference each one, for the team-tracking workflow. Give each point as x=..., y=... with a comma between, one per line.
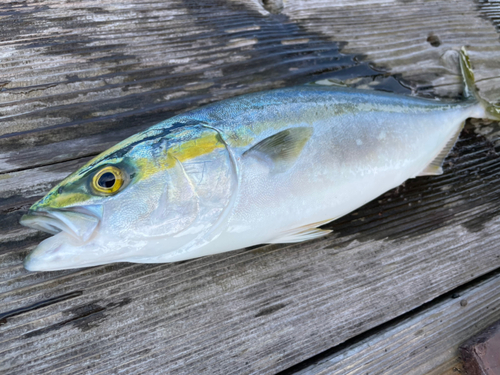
x=76, y=77
x=411, y=38
x=424, y=342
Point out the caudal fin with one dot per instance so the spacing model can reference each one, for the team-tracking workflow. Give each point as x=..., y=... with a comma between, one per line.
x=491, y=110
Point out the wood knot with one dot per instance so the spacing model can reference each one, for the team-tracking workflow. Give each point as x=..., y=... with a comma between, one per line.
x=433, y=40
x=273, y=6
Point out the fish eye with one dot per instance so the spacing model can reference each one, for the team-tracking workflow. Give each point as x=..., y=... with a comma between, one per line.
x=108, y=180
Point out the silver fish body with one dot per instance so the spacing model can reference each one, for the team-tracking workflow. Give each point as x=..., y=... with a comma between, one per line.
x=361, y=144
x=268, y=167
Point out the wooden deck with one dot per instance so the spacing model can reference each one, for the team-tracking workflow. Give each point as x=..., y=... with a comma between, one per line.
x=395, y=289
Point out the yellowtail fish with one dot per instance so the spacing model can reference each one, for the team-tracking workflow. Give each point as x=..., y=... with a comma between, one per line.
x=268, y=167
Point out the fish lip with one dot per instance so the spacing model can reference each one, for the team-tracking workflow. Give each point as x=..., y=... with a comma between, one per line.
x=54, y=221
x=35, y=220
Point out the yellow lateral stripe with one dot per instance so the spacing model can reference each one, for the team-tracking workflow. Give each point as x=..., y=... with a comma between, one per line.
x=181, y=152
x=196, y=147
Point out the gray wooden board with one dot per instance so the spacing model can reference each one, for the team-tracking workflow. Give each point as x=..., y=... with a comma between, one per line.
x=255, y=311
x=424, y=342
x=78, y=76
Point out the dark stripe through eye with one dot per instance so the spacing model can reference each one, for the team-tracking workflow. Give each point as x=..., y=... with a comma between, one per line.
x=107, y=180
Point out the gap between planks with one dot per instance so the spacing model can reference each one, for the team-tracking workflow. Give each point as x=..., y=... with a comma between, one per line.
x=423, y=341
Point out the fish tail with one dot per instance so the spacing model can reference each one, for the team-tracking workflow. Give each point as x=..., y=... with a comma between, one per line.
x=491, y=111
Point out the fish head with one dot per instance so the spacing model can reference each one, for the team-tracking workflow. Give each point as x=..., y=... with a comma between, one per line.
x=144, y=197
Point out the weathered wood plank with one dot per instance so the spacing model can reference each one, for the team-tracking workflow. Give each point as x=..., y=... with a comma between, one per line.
x=78, y=77
x=97, y=74
x=411, y=38
x=260, y=310
x=424, y=342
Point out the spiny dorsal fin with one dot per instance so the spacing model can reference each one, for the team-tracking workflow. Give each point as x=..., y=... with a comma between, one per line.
x=282, y=148
x=434, y=168
x=303, y=233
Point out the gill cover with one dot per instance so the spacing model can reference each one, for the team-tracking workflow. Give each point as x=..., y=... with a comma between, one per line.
x=213, y=173
x=199, y=184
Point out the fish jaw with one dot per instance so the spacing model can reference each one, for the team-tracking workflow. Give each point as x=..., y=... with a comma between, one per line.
x=72, y=228
x=52, y=254
x=61, y=252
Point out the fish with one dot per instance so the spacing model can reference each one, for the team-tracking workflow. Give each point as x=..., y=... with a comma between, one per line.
x=267, y=167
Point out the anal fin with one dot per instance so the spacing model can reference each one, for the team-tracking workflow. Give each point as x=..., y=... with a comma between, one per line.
x=431, y=170
x=303, y=233
x=435, y=167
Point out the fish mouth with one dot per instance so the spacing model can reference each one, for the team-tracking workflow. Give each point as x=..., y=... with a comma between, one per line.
x=78, y=222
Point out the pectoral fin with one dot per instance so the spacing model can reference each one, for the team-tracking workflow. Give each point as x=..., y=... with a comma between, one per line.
x=282, y=149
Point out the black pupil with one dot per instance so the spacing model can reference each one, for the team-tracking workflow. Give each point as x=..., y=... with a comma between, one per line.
x=107, y=180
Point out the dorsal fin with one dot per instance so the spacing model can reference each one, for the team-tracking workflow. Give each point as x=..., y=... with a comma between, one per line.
x=434, y=168
x=282, y=149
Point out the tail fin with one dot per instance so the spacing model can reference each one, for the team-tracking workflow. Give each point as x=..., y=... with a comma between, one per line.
x=492, y=111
